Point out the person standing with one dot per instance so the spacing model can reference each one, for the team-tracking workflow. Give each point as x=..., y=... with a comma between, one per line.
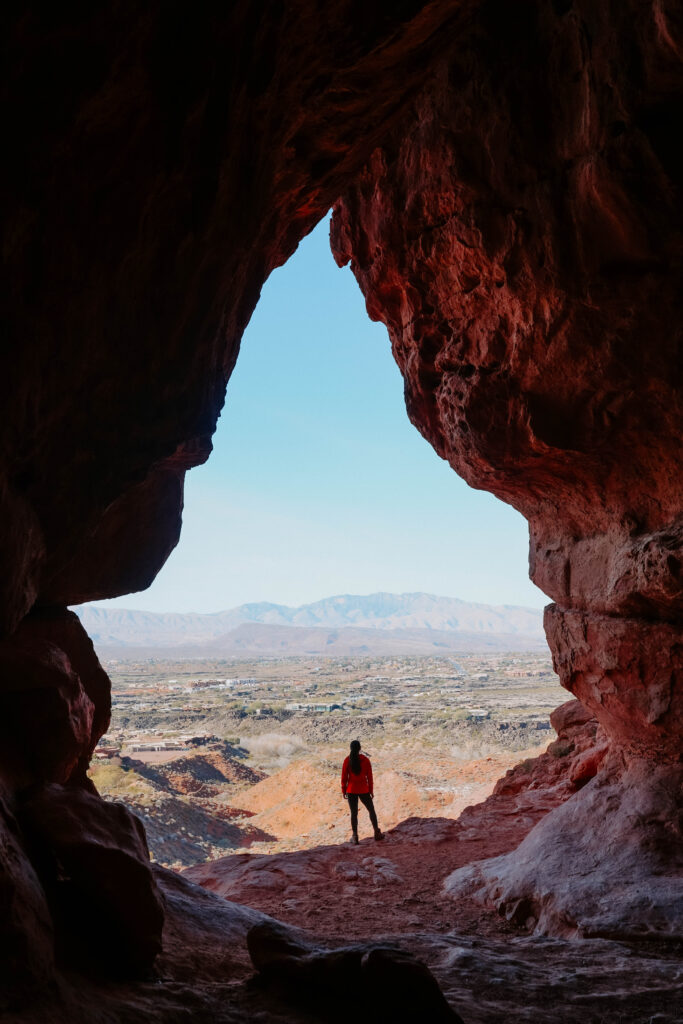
x=356, y=784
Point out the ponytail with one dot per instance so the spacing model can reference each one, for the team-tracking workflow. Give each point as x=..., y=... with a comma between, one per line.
x=354, y=757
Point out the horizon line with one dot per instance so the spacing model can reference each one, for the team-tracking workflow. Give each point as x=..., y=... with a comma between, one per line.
x=96, y=604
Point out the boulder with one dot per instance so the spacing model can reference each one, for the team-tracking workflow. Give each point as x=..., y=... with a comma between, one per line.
x=375, y=982
x=56, y=699
x=61, y=627
x=93, y=862
x=47, y=718
x=587, y=765
x=607, y=863
x=26, y=934
x=569, y=718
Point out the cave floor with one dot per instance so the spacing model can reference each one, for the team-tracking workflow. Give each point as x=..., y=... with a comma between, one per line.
x=489, y=969
x=205, y=976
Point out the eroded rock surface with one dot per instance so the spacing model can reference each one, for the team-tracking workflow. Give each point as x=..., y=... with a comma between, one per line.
x=382, y=982
x=521, y=238
x=629, y=672
x=621, y=879
x=610, y=861
x=163, y=162
x=93, y=862
x=26, y=929
x=69, y=858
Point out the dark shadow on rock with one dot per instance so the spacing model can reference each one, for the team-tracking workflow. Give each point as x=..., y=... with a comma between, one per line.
x=92, y=859
x=202, y=826
x=384, y=983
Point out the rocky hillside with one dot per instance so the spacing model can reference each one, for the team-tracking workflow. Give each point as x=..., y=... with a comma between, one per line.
x=190, y=806
x=207, y=804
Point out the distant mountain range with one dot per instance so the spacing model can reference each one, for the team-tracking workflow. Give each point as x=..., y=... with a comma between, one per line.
x=344, y=625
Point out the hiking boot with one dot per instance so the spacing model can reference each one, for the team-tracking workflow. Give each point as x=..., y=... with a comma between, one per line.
x=378, y=835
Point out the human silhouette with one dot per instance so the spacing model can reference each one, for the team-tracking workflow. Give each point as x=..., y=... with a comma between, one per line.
x=356, y=784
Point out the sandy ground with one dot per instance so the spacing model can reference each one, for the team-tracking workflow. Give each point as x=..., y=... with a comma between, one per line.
x=302, y=805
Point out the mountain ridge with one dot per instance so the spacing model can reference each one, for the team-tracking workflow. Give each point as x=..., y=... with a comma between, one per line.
x=380, y=612
x=257, y=639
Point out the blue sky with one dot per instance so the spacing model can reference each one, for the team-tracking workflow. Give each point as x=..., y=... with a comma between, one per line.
x=318, y=483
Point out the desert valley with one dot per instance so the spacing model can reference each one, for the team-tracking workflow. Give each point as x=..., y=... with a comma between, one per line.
x=232, y=765
x=257, y=757
x=217, y=754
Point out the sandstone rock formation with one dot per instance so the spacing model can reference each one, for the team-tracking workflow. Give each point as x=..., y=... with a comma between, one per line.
x=93, y=862
x=383, y=983
x=607, y=863
x=162, y=164
x=521, y=237
x=630, y=864
x=511, y=181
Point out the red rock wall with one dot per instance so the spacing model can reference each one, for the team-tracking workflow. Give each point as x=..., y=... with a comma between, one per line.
x=521, y=236
x=160, y=161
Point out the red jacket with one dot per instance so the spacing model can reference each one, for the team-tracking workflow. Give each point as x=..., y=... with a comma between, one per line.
x=361, y=783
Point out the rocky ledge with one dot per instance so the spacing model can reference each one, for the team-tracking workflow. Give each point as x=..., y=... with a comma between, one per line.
x=431, y=886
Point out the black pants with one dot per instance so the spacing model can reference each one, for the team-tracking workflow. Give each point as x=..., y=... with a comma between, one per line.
x=366, y=800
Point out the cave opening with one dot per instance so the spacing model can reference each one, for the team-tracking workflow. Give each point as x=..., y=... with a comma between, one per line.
x=317, y=480
x=324, y=545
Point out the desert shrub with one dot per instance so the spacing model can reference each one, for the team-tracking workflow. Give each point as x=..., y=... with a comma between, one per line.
x=559, y=749
x=457, y=715
x=117, y=782
x=473, y=749
x=272, y=749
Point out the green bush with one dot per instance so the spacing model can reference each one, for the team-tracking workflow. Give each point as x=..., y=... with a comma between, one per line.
x=559, y=749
